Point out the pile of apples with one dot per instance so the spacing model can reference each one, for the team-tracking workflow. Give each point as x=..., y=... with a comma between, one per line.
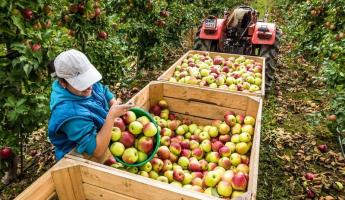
x=212, y=159
x=133, y=138
x=233, y=74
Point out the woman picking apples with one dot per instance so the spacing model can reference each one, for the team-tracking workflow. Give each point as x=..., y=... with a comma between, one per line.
x=82, y=109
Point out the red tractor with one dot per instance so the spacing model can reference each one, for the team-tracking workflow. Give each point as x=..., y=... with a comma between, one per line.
x=240, y=32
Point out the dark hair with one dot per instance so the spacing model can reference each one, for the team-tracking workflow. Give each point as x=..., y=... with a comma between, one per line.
x=51, y=67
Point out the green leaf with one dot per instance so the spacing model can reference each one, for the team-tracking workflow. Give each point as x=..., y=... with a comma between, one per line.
x=27, y=69
x=19, y=23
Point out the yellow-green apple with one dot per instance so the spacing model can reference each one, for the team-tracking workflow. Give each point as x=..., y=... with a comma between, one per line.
x=235, y=138
x=220, y=170
x=236, y=194
x=186, y=153
x=117, y=148
x=242, y=148
x=176, y=183
x=185, y=144
x=176, y=166
x=147, y=167
x=163, y=152
x=180, y=130
x=206, y=128
x=162, y=123
x=230, y=119
x=156, y=118
x=232, y=87
x=224, y=138
x=143, y=120
x=194, y=165
x=153, y=174
x=187, y=178
x=118, y=122
x=197, y=181
x=183, y=162
x=235, y=159
x=163, y=104
x=162, y=179
x=223, y=87
x=133, y=170
x=211, y=166
x=227, y=176
x=188, y=186
x=115, y=134
x=141, y=156
x=232, y=146
x=155, y=109
x=129, y=117
x=204, y=72
x=254, y=88
x=127, y=139
x=193, y=144
x=198, y=153
x=239, y=181
x=216, y=145
x=223, y=128
x=224, y=151
x=242, y=168
x=213, y=131
x=236, y=129
x=157, y=164
x=169, y=175
x=210, y=79
x=249, y=120
x=197, y=131
x=212, y=178
x=258, y=81
x=211, y=191
x=192, y=128
x=178, y=175
x=167, y=165
x=214, y=157
x=245, y=137
x=220, y=81
x=145, y=144
x=206, y=146
x=224, y=162
x=204, y=136
x=187, y=135
x=164, y=115
x=250, y=79
x=150, y=129
x=143, y=173
x=175, y=148
x=248, y=129
x=130, y=155
x=224, y=189
x=216, y=122
x=230, y=80
x=165, y=141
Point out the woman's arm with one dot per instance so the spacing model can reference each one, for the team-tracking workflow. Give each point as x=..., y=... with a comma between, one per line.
x=115, y=101
x=104, y=135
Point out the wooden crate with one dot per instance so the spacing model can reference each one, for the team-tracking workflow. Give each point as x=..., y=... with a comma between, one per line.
x=76, y=177
x=169, y=72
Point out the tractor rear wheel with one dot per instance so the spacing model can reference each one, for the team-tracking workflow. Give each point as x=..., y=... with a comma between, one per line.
x=204, y=45
x=270, y=52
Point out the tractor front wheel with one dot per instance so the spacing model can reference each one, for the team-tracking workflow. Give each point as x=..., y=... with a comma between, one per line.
x=204, y=45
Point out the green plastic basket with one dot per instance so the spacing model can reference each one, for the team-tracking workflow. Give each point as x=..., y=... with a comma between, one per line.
x=140, y=112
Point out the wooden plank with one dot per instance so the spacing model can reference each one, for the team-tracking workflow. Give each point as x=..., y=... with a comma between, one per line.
x=63, y=184
x=75, y=176
x=156, y=92
x=43, y=188
x=96, y=193
x=142, y=97
x=197, y=120
x=252, y=107
x=136, y=186
x=189, y=92
x=198, y=109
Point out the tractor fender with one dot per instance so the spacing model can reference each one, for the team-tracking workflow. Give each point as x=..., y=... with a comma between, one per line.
x=271, y=29
x=217, y=34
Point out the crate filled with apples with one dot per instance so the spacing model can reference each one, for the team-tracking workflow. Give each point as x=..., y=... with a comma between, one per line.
x=135, y=138
x=236, y=73
x=206, y=146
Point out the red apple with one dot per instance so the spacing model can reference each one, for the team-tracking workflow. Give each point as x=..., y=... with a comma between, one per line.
x=36, y=47
x=27, y=13
x=203, y=163
x=309, y=176
x=150, y=129
x=224, y=162
x=228, y=175
x=97, y=11
x=186, y=153
x=224, y=138
x=167, y=165
x=172, y=116
x=127, y=139
x=217, y=145
x=230, y=120
x=310, y=193
x=173, y=158
x=165, y=141
x=157, y=164
x=145, y=144
x=194, y=165
x=185, y=144
x=163, y=152
x=5, y=152
x=224, y=151
x=198, y=153
x=103, y=35
x=239, y=181
x=129, y=117
x=178, y=175
x=197, y=181
x=118, y=122
x=323, y=148
x=110, y=161
x=130, y=155
x=155, y=109
x=244, y=159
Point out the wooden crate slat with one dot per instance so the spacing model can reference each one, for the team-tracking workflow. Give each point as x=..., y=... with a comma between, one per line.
x=225, y=99
x=75, y=176
x=63, y=184
x=96, y=193
x=198, y=109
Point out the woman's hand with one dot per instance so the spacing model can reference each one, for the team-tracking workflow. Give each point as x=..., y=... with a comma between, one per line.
x=118, y=110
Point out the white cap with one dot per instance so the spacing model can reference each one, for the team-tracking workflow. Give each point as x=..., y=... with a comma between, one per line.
x=76, y=69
